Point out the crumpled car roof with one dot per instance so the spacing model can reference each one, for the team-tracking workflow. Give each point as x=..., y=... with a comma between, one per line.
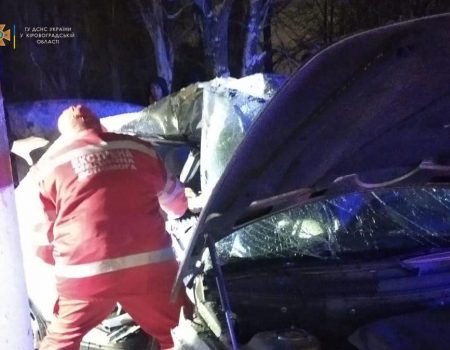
x=180, y=115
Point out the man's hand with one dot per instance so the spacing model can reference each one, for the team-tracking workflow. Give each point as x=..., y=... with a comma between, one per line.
x=195, y=203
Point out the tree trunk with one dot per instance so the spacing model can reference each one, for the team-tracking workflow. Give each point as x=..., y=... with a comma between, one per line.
x=155, y=23
x=267, y=32
x=253, y=57
x=214, y=30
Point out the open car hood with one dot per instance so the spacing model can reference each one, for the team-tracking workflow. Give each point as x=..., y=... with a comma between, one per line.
x=370, y=111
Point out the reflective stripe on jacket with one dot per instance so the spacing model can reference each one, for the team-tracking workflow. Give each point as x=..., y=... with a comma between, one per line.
x=106, y=190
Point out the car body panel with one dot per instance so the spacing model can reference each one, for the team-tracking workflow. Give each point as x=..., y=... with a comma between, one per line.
x=374, y=106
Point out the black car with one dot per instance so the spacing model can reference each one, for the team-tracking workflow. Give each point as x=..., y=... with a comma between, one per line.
x=330, y=226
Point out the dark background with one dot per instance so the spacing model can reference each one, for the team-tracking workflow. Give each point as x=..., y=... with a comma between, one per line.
x=113, y=55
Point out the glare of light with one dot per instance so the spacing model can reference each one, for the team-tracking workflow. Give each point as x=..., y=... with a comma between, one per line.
x=310, y=228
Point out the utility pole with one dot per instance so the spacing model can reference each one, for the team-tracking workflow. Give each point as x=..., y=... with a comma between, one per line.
x=15, y=323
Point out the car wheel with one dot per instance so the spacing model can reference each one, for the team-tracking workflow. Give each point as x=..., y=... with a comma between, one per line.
x=38, y=325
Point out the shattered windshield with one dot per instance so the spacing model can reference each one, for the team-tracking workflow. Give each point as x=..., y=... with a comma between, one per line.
x=228, y=112
x=359, y=224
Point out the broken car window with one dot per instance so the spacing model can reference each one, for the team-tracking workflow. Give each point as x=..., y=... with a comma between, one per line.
x=370, y=223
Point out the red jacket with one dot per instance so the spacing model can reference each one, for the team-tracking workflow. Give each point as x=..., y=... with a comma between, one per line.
x=102, y=193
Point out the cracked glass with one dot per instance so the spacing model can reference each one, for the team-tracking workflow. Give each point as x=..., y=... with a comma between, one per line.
x=364, y=224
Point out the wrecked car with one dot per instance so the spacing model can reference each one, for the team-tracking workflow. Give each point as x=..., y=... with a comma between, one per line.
x=174, y=126
x=330, y=225
x=326, y=222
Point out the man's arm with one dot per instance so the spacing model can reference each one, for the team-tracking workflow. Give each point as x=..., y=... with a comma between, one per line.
x=43, y=232
x=42, y=220
x=172, y=198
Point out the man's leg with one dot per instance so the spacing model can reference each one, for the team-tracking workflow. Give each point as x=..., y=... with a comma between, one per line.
x=156, y=314
x=73, y=319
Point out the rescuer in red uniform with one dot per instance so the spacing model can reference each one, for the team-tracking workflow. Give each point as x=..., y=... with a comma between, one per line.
x=102, y=193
